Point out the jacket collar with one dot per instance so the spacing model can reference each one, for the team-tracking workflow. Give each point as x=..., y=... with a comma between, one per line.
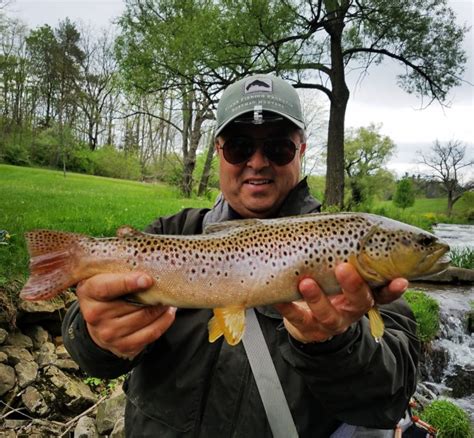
x=298, y=201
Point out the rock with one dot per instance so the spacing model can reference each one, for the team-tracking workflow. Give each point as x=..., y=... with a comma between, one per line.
x=3, y=357
x=62, y=353
x=451, y=275
x=86, y=428
x=3, y=336
x=26, y=373
x=119, y=429
x=34, y=401
x=18, y=339
x=109, y=412
x=46, y=355
x=70, y=392
x=38, y=335
x=7, y=378
x=67, y=365
x=16, y=354
x=433, y=363
x=461, y=381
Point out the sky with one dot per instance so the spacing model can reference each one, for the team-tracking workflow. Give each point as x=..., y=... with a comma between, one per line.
x=374, y=99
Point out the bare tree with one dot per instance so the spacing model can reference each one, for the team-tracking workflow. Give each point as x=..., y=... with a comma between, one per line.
x=445, y=163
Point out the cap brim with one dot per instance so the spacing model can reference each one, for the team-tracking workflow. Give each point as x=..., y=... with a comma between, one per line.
x=298, y=123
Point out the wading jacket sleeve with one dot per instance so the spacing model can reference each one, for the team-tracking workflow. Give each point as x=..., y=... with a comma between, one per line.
x=183, y=386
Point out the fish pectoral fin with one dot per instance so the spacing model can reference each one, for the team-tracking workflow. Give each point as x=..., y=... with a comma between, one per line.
x=227, y=321
x=377, y=326
x=128, y=231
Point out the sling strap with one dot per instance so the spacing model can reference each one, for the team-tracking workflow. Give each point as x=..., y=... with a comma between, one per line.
x=268, y=384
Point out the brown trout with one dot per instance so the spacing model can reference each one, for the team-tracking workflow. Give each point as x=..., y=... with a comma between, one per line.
x=238, y=264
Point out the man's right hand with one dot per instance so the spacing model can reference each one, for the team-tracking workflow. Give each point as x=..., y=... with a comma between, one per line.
x=118, y=326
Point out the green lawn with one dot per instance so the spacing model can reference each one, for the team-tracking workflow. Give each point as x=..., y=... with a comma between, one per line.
x=38, y=198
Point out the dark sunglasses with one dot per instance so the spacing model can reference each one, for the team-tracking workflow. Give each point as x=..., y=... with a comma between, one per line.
x=279, y=150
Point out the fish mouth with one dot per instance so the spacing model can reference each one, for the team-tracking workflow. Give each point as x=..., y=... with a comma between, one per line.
x=439, y=259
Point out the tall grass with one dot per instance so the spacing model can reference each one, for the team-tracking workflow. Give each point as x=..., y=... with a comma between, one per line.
x=39, y=198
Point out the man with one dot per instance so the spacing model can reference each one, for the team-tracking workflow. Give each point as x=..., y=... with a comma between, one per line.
x=330, y=368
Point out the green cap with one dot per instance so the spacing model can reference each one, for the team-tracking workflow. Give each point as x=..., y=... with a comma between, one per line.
x=259, y=95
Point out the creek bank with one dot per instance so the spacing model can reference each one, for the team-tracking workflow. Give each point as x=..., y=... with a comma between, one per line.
x=42, y=391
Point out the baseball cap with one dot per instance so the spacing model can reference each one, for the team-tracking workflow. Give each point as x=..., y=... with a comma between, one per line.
x=262, y=97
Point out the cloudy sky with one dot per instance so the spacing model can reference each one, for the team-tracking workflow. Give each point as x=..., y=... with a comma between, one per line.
x=375, y=99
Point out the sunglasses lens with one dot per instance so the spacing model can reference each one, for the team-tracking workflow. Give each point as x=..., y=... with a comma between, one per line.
x=238, y=149
x=280, y=151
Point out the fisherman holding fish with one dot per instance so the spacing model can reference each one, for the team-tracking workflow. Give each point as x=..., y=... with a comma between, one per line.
x=328, y=372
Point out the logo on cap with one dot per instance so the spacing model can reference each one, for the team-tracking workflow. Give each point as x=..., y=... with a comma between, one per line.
x=258, y=85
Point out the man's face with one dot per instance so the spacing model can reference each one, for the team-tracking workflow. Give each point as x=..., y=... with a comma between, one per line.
x=257, y=187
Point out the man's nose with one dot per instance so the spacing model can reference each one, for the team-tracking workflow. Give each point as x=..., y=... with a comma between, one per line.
x=258, y=160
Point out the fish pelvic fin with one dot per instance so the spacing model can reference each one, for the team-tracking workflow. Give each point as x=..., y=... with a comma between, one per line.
x=52, y=256
x=377, y=326
x=227, y=321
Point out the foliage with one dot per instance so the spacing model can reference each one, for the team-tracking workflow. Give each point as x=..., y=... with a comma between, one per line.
x=404, y=195
x=316, y=186
x=462, y=257
x=449, y=420
x=365, y=153
x=426, y=310
x=97, y=206
x=103, y=386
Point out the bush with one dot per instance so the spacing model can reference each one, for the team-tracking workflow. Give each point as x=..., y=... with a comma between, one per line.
x=112, y=163
x=449, y=420
x=426, y=311
x=14, y=154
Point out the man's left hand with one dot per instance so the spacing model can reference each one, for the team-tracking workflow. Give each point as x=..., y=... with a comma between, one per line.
x=320, y=317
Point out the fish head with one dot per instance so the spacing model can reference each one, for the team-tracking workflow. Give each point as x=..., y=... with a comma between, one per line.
x=392, y=249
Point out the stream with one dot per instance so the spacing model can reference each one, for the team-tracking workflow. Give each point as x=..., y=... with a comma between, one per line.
x=449, y=372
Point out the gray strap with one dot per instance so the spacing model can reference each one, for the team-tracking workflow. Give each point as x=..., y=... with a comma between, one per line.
x=268, y=384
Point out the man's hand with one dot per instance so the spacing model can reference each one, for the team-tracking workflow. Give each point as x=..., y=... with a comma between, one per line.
x=320, y=317
x=118, y=326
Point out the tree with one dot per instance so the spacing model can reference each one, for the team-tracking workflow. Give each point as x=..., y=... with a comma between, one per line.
x=318, y=41
x=405, y=194
x=445, y=163
x=366, y=152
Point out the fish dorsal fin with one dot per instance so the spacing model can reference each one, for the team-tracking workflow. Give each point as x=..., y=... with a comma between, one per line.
x=227, y=321
x=128, y=231
x=227, y=225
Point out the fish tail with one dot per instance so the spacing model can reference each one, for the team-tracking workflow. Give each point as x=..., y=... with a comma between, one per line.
x=377, y=326
x=52, y=255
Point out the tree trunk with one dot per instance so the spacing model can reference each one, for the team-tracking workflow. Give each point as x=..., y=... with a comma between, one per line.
x=188, y=164
x=334, y=194
x=206, y=171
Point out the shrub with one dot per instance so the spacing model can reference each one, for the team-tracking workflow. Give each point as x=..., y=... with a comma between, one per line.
x=405, y=194
x=449, y=420
x=426, y=311
x=110, y=162
x=15, y=154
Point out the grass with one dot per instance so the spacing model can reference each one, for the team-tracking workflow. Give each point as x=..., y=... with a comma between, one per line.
x=449, y=420
x=39, y=198
x=426, y=310
x=462, y=257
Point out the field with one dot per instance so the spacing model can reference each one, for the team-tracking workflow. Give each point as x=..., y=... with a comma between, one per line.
x=39, y=198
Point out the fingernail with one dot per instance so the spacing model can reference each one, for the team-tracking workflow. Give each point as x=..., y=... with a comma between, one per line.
x=143, y=282
x=172, y=310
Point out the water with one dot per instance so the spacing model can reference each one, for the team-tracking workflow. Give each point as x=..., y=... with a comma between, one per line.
x=455, y=235
x=455, y=301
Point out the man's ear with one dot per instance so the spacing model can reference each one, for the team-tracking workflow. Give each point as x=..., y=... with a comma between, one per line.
x=302, y=149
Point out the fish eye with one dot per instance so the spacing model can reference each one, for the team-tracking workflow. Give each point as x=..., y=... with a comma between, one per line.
x=426, y=240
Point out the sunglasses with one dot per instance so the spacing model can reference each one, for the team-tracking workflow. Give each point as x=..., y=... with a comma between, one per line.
x=279, y=150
